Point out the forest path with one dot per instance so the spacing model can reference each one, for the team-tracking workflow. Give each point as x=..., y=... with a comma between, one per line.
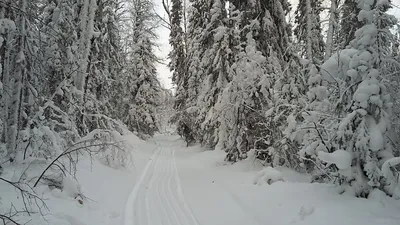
x=182, y=185
x=158, y=197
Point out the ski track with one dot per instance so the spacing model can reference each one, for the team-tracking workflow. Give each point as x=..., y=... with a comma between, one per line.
x=157, y=198
x=130, y=212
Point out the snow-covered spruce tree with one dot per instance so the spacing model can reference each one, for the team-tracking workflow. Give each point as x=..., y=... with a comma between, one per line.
x=177, y=65
x=176, y=40
x=263, y=38
x=349, y=22
x=147, y=89
x=362, y=145
x=287, y=86
x=142, y=89
x=243, y=101
x=104, y=68
x=38, y=120
x=19, y=75
x=217, y=59
x=87, y=12
x=59, y=38
x=188, y=84
x=314, y=118
x=308, y=30
x=317, y=123
x=388, y=48
x=289, y=100
x=28, y=84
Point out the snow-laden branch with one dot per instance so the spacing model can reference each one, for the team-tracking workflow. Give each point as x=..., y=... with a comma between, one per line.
x=390, y=163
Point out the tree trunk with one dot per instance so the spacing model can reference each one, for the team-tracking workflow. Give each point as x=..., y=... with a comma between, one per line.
x=19, y=76
x=332, y=21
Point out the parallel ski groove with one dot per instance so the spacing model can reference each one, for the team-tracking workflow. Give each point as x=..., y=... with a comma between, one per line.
x=157, y=199
x=181, y=196
x=129, y=215
x=148, y=195
x=163, y=196
x=184, y=218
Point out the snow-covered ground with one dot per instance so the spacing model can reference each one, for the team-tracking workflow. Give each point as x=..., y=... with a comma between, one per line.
x=170, y=184
x=219, y=193
x=105, y=191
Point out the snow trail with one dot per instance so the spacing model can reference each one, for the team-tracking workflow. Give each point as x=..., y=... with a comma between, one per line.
x=129, y=209
x=157, y=198
x=192, y=186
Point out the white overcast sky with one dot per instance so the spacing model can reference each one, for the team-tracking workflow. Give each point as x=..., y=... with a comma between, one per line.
x=163, y=72
x=162, y=52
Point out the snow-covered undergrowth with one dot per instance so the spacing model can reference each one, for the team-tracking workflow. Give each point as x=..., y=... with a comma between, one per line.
x=239, y=193
x=95, y=194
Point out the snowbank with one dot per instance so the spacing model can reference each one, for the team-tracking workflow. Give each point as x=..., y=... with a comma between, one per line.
x=268, y=175
x=224, y=193
x=97, y=196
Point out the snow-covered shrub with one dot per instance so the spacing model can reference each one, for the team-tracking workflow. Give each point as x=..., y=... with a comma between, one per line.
x=364, y=109
x=284, y=116
x=108, y=146
x=268, y=175
x=315, y=128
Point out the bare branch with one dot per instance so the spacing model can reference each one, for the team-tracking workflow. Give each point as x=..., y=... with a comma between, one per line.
x=69, y=151
x=166, y=6
x=164, y=23
x=4, y=218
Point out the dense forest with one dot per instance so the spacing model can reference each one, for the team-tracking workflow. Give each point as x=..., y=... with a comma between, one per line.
x=312, y=88
x=70, y=67
x=313, y=95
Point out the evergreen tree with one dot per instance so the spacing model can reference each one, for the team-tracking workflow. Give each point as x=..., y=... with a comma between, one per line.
x=104, y=67
x=316, y=123
x=177, y=55
x=362, y=133
x=142, y=89
x=188, y=83
x=309, y=35
x=308, y=30
x=18, y=76
x=7, y=32
x=60, y=61
x=216, y=62
x=264, y=41
x=349, y=22
x=243, y=101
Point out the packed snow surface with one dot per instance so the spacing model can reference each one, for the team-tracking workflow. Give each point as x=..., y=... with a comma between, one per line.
x=170, y=184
